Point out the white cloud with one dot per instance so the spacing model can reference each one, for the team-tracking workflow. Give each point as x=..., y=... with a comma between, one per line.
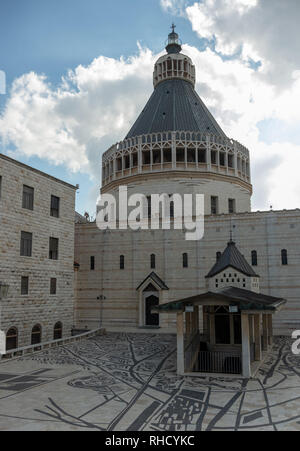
x=95, y=105
x=262, y=30
x=240, y=100
x=241, y=97
x=72, y=124
x=174, y=6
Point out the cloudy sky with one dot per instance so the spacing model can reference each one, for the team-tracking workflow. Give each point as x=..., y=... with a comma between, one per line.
x=78, y=74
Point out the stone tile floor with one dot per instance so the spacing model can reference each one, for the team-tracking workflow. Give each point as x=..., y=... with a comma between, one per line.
x=126, y=381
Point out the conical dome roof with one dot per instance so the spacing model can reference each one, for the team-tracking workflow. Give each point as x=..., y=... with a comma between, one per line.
x=174, y=104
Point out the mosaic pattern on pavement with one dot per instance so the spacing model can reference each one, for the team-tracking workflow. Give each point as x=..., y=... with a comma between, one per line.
x=126, y=381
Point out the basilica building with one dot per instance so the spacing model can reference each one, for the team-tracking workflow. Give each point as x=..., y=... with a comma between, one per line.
x=123, y=277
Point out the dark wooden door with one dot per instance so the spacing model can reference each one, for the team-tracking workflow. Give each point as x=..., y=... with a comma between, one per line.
x=152, y=319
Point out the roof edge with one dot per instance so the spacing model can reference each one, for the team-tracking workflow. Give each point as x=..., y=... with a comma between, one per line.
x=37, y=171
x=214, y=273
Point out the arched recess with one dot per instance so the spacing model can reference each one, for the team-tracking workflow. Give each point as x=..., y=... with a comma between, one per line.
x=58, y=331
x=36, y=334
x=12, y=339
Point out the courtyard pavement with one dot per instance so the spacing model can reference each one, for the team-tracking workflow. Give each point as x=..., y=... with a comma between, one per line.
x=128, y=382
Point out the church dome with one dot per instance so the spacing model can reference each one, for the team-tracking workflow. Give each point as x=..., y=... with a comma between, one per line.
x=176, y=145
x=174, y=104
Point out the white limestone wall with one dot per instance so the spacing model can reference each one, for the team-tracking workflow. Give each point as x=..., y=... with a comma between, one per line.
x=38, y=307
x=223, y=189
x=231, y=277
x=265, y=232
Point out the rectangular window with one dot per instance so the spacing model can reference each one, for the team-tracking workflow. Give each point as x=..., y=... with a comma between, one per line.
x=0, y=186
x=152, y=261
x=231, y=205
x=54, y=210
x=254, y=258
x=284, y=257
x=185, y=262
x=24, y=285
x=28, y=195
x=214, y=205
x=122, y=262
x=53, y=248
x=26, y=244
x=149, y=206
x=52, y=286
x=92, y=263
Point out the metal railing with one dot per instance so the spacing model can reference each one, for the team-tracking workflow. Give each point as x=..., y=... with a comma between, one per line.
x=218, y=362
x=20, y=352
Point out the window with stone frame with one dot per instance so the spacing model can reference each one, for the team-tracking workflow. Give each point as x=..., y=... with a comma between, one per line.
x=26, y=244
x=24, y=285
x=54, y=210
x=53, y=248
x=185, y=260
x=152, y=261
x=231, y=206
x=58, y=331
x=12, y=339
x=172, y=209
x=92, y=263
x=53, y=286
x=28, y=197
x=149, y=206
x=36, y=335
x=284, y=257
x=214, y=205
x=254, y=258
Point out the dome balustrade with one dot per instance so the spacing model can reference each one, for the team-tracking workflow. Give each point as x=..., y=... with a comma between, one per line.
x=175, y=151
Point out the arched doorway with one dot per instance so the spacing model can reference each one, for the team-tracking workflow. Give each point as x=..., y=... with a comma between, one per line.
x=36, y=335
x=58, y=329
x=151, y=319
x=12, y=339
x=152, y=292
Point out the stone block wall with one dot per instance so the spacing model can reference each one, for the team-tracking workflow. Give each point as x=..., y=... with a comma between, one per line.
x=38, y=307
x=266, y=232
